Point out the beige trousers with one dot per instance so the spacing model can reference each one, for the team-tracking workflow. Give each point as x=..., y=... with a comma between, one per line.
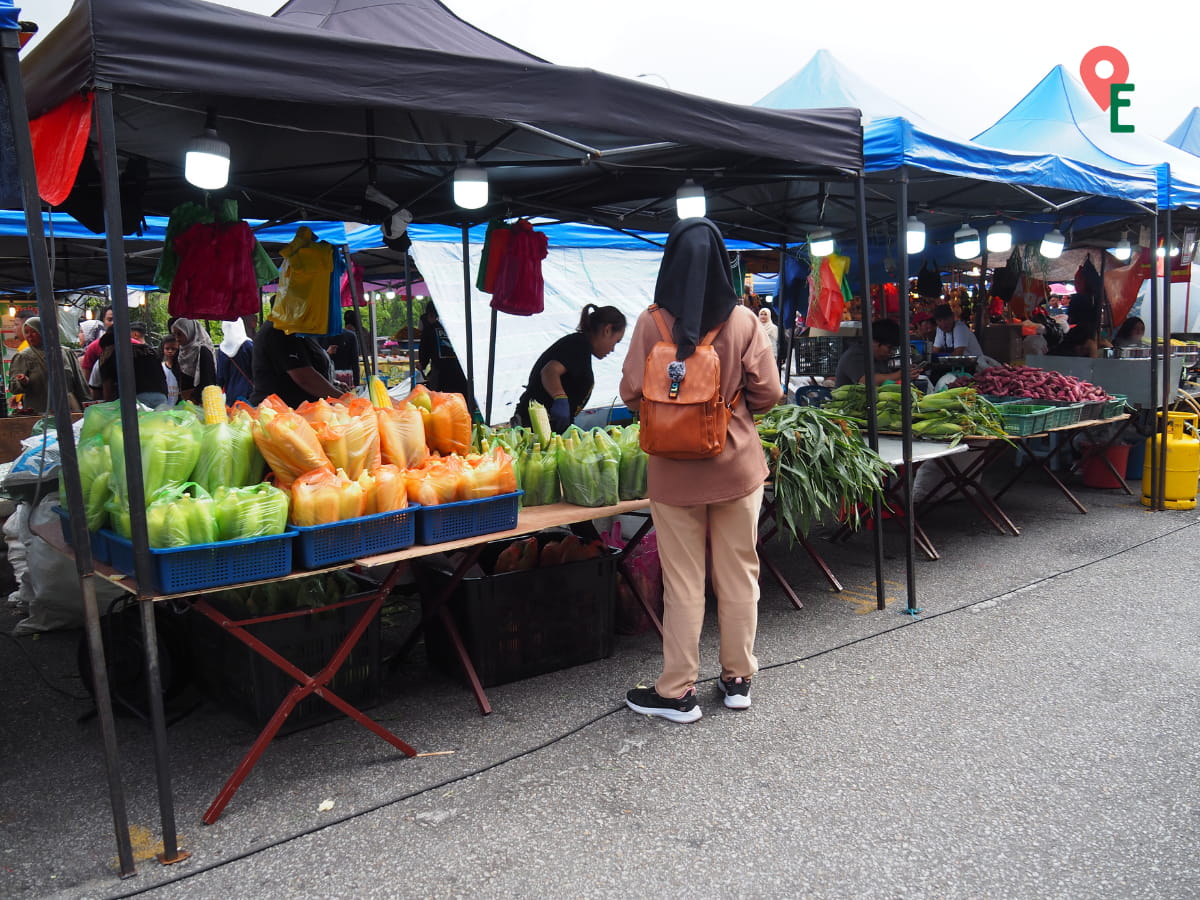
x=682, y=532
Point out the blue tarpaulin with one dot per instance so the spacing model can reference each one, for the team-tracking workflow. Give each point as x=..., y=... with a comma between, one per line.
x=1187, y=136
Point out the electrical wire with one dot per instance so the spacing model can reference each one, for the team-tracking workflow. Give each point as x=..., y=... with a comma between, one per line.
x=455, y=779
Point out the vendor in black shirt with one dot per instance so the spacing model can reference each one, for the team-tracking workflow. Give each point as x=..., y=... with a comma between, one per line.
x=436, y=357
x=291, y=365
x=150, y=382
x=561, y=379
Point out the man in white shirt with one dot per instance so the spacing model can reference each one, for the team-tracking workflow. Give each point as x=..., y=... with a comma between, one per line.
x=955, y=338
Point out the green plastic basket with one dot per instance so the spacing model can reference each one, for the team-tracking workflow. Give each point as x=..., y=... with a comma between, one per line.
x=1024, y=418
x=1115, y=406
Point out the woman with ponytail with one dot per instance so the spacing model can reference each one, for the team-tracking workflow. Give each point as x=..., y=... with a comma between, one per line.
x=561, y=379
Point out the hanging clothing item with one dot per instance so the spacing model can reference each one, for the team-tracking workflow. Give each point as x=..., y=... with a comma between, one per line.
x=215, y=278
x=302, y=301
x=828, y=292
x=519, y=288
x=183, y=217
x=1123, y=283
x=352, y=287
x=59, y=141
x=495, y=245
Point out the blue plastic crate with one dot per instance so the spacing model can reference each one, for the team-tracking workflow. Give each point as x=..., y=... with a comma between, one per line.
x=182, y=569
x=100, y=551
x=323, y=545
x=467, y=518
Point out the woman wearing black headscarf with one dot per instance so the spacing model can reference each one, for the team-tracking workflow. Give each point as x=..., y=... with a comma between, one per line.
x=713, y=501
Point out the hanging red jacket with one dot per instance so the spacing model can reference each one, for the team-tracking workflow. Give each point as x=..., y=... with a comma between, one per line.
x=519, y=288
x=215, y=278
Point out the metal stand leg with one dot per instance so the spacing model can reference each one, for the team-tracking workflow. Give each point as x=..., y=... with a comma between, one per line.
x=162, y=764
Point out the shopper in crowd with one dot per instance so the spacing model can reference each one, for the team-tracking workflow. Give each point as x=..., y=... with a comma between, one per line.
x=924, y=327
x=852, y=366
x=89, y=330
x=769, y=326
x=561, y=379
x=91, y=352
x=30, y=375
x=436, y=357
x=1082, y=340
x=1130, y=333
x=235, y=362
x=343, y=348
x=712, y=502
x=197, y=360
x=293, y=366
x=150, y=383
x=168, y=354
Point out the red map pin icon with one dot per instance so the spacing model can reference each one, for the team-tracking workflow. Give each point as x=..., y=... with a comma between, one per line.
x=1097, y=86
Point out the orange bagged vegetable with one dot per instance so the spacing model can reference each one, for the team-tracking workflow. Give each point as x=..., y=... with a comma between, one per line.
x=434, y=482
x=486, y=475
x=349, y=434
x=390, y=490
x=323, y=496
x=288, y=444
x=449, y=427
x=402, y=435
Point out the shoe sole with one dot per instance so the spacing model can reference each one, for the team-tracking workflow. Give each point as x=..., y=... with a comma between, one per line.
x=734, y=701
x=673, y=715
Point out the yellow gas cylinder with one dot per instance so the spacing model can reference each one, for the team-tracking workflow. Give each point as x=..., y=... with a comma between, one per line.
x=1183, y=462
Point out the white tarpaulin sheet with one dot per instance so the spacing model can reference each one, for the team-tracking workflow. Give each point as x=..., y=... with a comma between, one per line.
x=574, y=277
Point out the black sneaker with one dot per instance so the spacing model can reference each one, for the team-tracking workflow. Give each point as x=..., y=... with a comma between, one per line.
x=645, y=700
x=736, y=691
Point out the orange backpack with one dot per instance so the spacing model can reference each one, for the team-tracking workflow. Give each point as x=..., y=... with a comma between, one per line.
x=683, y=417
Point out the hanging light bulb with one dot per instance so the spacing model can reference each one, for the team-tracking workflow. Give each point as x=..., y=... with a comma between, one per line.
x=914, y=235
x=690, y=202
x=391, y=295
x=999, y=238
x=1052, y=244
x=206, y=162
x=1122, y=251
x=12, y=311
x=966, y=242
x=88, y=314
x=470, y=185
x=820, y=242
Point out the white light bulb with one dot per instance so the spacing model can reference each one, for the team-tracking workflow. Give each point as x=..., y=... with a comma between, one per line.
x=470, y=186
x=206, y=163
x=966, y=242
x=690, y=202
x=1122, y=251
x=999, y=238
x=1052, y=244
x=820, y=242
x=914, y=235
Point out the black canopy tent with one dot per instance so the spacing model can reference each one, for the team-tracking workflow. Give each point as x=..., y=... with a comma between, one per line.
x=314, y=117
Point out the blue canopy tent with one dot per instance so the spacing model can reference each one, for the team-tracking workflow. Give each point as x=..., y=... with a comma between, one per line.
x=1187, y=136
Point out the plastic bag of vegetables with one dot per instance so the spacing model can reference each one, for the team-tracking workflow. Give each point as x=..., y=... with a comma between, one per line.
x=287, y=441
x=402, y=435
x=633, y=461
x=95, y=476
x=588, y=467
x=228, y=456
x=539, y=476
x=259, y=510
x=170, y=447
x=181, y=515
x=322, y=496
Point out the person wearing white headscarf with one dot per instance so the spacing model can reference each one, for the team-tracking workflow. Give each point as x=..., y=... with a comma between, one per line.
x=197, y=361
x=235, y=362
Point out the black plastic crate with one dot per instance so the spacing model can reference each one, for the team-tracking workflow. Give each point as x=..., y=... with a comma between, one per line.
x=519, y=624
x=818, y=355
x=252, y=687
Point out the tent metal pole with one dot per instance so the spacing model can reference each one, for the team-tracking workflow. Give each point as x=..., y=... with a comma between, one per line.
x=1156, y=472
x=43, y=285
x=127, y=392
x=1166, y=352
x=780, y=307
x=867, y=314
x=413, y=363
x=466, y=267
x=491, y=370
x=910, y=573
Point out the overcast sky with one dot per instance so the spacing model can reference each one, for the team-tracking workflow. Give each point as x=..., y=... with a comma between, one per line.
x=962, y=65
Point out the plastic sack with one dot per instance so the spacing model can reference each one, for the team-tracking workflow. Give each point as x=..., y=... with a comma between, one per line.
x=39, y=461
x=170, y=447
x=323, y=496
x=402, y=435
x=259, y=510
x=632, y=472
x=97, y=418
x=348, y=433
x=95, y=477
x=288, y=443
x=228, y=456
x=645, y=571
x=302, y=302
x=181, y=515
x=539, y=476
x=391, y=493
x=434, y=482
x=486, y=475
x=588, y=467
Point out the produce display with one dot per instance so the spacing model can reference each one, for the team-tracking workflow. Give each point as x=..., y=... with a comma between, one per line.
x=820, y=466
x=527, y=554
x=1033, y=384
x=951, y=414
